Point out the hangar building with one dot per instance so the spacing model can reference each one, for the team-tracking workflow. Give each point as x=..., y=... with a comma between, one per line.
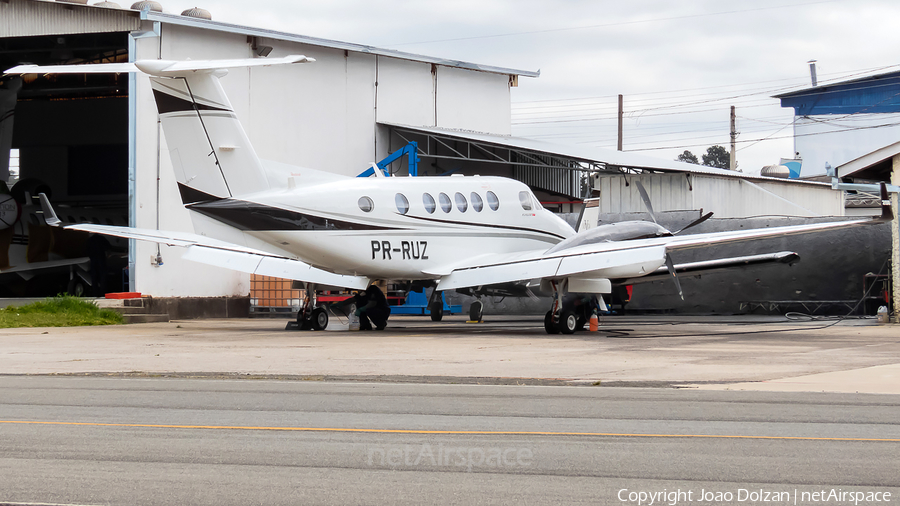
x=95, y=140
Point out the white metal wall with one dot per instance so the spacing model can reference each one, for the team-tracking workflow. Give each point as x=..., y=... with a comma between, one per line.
x=405, y=92
x=477, y=101
x=726, y=197
x=176, y=277
x=836, y=140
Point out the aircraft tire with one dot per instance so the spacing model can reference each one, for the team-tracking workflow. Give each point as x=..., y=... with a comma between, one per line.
x=476, y=311
x=568, y=322
x=319, y=319
x=75, y=288
x=437, y=311
x=549, y=326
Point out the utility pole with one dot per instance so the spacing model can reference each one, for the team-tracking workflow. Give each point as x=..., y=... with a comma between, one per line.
x=733, y=161
x=619, y=145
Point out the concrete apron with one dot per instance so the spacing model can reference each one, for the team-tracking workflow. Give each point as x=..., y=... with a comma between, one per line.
x=758, y=353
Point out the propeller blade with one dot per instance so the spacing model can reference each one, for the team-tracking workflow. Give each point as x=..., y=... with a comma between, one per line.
x=695, y=222
x=671, y=267
x=646, y=199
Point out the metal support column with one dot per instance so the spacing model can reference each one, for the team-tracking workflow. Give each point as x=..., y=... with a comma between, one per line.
x=895, y=240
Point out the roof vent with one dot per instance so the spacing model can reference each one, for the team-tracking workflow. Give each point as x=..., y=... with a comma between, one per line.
x=781, y=171
x=148, y=5
x=108, y=5
x=197, y=12
x=81, y=2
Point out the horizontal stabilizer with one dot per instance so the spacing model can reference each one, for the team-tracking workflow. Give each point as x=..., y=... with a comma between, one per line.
x=159, y=68
x=218, y=253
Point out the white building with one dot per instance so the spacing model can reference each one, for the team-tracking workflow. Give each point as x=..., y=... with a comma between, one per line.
x=836, y=123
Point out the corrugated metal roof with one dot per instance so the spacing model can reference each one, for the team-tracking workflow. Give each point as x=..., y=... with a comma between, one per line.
x=592, y=155
x=22, y=18
x=818, y=89
x=873, y=94
x=315, y=41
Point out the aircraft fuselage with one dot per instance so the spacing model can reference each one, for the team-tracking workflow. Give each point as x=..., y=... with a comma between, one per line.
x=397, y=227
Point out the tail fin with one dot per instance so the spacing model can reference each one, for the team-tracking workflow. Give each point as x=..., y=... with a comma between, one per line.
x=212, y=156
x=210, y=151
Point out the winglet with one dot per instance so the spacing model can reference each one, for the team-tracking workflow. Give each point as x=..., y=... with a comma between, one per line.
x=887, y=214
x=49, y=214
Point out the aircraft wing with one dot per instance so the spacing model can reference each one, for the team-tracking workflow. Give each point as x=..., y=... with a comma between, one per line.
x=613, y=259
x=210, y=251
x=28, y=270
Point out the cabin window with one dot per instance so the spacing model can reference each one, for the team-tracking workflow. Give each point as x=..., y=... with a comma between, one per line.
x=461, y=202
x=477, y=203
x=493, y=201
x=525, y=200
x=428, y=200
x=365, y=204
x=446, y=205
x=402, y=203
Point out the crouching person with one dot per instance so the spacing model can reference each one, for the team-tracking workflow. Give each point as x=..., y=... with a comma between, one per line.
x=371, y=307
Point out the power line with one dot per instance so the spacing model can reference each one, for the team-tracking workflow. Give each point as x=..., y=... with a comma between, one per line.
x=837, y=77
x=619, y=23
x=870, y=127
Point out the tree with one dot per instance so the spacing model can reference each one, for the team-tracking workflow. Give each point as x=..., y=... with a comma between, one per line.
x=688, y=157
x=717, y=156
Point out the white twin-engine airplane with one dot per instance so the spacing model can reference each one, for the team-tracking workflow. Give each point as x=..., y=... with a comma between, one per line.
x=337, y=231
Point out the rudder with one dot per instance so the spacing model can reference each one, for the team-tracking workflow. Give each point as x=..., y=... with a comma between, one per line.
x=211, y=154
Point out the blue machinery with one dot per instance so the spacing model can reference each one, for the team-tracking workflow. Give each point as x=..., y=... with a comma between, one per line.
x=410, y=150
x=417, y=304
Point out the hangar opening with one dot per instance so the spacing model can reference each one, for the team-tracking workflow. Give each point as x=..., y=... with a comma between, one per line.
x=67, y=136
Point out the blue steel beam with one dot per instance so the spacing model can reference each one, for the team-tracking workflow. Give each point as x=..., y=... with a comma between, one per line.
x=411, y=152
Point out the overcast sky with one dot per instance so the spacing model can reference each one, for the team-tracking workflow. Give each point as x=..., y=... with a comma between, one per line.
x=679, y=64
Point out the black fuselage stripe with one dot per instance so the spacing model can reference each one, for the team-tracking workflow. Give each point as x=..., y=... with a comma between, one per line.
x=249, y=216
x=166, y=103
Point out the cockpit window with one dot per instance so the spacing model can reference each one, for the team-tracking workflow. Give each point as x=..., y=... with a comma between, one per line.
x=461, y=202
x=365, y=204
x=446, y=205
x=428, y=200
x=477, y=203
x=525, y=200
x=493, y=201
x=402, y=203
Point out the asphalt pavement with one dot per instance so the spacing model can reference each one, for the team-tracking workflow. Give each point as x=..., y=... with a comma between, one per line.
x=162, y=441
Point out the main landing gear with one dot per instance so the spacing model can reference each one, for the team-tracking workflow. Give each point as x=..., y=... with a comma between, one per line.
x=311, y=317
x=436, y=306
x=570, y=312
x=476, y=311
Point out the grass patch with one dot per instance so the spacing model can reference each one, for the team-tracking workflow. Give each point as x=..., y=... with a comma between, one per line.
x=59, y=311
